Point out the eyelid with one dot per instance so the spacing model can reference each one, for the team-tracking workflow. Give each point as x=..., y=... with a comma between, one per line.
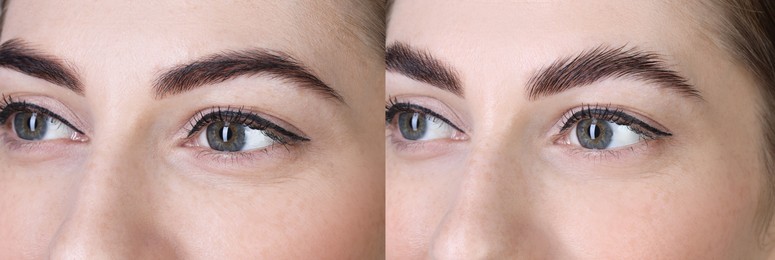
x=243, y=116
x=430, y=106
x=43, y=105
x=614, y=114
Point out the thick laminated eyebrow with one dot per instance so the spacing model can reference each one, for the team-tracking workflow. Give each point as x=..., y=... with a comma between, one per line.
x=604, y=62
x=422, y=66
x=583, y=69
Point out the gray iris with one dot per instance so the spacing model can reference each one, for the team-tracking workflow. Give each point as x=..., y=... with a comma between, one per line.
x=594, y=134
x=30, y=126
x=226, y=137
x=412, y=125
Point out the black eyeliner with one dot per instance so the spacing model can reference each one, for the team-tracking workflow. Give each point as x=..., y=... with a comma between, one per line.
x=250, y=120
x=11, y=107
x=395, y=107
x=614, y=115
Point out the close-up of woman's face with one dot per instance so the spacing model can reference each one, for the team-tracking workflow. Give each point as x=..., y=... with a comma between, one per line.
x=191, y=129
x=569, y=130
x=513, y=129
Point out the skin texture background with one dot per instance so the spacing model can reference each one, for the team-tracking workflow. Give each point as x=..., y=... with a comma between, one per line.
x=133, y=190
x=511, y=191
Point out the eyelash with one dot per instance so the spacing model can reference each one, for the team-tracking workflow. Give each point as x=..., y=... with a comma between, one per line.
x=607, y=113
x=9, y=107
x=240, y=116
x=394, y=107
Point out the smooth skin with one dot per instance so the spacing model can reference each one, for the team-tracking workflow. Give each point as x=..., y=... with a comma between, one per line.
x=509, y=191
x=134, y=190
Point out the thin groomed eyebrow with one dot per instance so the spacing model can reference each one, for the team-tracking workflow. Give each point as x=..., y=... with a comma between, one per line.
x=18, y=55
x=422, y=66
x=605, y=62
x=229, y=65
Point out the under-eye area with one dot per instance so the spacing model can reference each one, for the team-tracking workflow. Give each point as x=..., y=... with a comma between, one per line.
x=240, y=134
x=606, y=130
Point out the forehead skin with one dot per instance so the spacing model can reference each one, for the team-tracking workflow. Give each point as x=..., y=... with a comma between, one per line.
x=85, y=32
x=496, y=45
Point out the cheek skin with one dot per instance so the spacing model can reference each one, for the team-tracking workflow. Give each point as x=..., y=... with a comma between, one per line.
x=677, y=217
x=197, y=219
x=33, y=205
x=417, y=198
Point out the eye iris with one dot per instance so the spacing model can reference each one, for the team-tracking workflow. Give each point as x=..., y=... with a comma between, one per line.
x=223, y=136
x=30, y=126
x=412, y=125
x=594, y=134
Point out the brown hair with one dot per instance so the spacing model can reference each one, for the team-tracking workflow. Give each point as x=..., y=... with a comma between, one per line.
x=2, y=13
x=746, y=29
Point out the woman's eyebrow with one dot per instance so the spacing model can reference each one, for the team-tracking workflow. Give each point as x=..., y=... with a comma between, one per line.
x=229, y=65
x=17, y=55
x=422, y=66
x=603, y=63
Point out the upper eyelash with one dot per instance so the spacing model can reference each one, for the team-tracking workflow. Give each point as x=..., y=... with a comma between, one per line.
x=9, y=106
x=614, y=115
x=394, y=107
x=239, y=116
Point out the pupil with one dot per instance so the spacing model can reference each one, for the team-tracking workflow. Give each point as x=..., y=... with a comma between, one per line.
x=593, y=131
x=226, y=133
x=33, y=121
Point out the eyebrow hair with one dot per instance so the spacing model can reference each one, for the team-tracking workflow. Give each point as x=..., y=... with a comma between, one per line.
x=422, y=66
x=229, y=65
x=17, y=55
x=603, y=63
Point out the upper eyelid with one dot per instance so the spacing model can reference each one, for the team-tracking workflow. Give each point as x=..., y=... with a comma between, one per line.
x=220, y=113
x=612, y=112
x=421, y=109
x=28, y=107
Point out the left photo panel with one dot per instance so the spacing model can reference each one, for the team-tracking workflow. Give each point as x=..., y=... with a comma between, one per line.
x=192, y=129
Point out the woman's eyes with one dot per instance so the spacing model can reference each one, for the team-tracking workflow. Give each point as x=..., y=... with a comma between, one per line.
x=592, y=128
x=238, y=131
x=221, y=130
x=605, y=129
x=417, y=123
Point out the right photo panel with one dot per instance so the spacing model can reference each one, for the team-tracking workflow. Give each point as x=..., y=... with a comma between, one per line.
x=580, y=129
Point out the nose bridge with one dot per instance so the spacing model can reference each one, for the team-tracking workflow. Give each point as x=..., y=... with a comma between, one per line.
x=489, y=205
x=109, y=207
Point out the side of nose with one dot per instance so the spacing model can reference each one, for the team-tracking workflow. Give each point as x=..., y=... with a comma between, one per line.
x=110, y=211
x=489, y=218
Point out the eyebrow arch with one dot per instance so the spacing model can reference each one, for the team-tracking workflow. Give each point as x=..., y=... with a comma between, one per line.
x=17, y=55
x=229, y=65
x=422, y=66
x=602, y=63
